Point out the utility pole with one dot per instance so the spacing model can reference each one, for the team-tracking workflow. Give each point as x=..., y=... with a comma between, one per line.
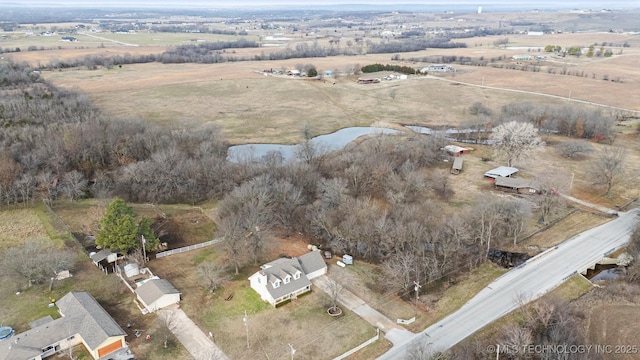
x=293, y=351
x=144, y=250
x=246, y=326
x=417, y=290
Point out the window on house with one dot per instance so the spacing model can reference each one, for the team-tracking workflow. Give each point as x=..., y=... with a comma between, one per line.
x=276, y=283
x=296, y=276
x=287, y=279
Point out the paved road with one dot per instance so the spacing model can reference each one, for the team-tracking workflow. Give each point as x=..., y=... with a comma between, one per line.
x=192, y=338
x=528, y=282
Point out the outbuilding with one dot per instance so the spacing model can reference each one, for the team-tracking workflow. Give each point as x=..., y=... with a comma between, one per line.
x=456, y=150
x=521, y=186
x=502, y=171
x=457, y=166
x=155, y=294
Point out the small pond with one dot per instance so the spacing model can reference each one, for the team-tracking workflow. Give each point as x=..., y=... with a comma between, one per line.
x=323, y=143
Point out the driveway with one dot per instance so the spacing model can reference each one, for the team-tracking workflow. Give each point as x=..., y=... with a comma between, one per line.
x=393, y=332
x=192, y=337
x=590, y=205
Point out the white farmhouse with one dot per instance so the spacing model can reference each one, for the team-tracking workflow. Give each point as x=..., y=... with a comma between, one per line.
x=285, y=279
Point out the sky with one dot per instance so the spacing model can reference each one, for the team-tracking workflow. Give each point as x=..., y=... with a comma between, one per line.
x=271, y=3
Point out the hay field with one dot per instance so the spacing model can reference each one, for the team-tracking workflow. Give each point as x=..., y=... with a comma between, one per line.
x=18, y=225
x=251, y=107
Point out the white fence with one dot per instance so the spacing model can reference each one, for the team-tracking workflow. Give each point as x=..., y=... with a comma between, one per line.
x=370, y=341
x=188, y=248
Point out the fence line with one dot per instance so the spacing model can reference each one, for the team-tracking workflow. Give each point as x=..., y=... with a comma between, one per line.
x=188, y=248
x=368, y=342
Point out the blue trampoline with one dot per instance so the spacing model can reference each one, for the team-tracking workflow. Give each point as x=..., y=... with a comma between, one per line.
x=5, y=332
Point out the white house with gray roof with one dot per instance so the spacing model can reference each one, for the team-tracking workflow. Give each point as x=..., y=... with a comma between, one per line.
x=83, y=321
x=285, y=279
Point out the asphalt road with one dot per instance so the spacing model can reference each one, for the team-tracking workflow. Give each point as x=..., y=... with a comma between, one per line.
x=523, y=284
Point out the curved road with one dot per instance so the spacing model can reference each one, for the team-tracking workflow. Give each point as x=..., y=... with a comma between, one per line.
x=534, y=93
x=523, y=284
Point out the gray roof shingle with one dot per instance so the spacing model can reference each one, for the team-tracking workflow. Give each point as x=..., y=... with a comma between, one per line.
x=154, y=289
x=82, y=314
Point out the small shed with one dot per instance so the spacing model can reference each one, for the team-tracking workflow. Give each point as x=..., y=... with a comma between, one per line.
x=294, y=73
x=457, y=166
x=155, y=294
x=456, y=150
x=131, y=270
x=502, y=171
x=347, y=259
x=521, y=186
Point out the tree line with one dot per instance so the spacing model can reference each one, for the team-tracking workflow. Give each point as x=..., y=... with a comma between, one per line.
x=396, y=68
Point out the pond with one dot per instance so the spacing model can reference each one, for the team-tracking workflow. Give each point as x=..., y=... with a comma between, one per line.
x=322, y=143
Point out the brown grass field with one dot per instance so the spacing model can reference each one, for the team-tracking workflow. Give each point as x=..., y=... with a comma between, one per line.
x=251, y=107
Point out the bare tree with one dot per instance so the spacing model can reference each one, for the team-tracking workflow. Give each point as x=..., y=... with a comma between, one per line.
x=335, y=288
x=517, y=215
x=168, y=320
x=552, y=184
x=575, y=150
x=516, y=140
x=607, y=168
x=35, y=262
x=212, y=276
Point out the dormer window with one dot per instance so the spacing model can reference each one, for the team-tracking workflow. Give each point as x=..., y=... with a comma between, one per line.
x=276, y=283
x=287, y=279
x=296, y=276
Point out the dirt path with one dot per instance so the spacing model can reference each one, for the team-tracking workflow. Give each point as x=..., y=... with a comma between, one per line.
x=535, y=93
x=199, y=345
x=590, y=205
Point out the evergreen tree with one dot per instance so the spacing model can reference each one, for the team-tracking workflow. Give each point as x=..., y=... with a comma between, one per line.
x=119, y=228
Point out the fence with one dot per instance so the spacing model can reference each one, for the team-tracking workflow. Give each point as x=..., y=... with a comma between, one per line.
x=188, y=248
x=370, y=341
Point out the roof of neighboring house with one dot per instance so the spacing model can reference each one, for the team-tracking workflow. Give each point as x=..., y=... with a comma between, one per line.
x=514, y=183
x=503, y=171
x=457, y=163
x=81, y=315
x=92, y=320
x=154, y=289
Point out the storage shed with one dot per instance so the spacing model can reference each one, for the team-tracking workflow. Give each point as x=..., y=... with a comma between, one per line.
x=502, y=171
x=457, y=166
x=155, y=294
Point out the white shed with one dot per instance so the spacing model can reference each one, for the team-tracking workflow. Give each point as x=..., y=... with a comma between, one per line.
x=155, y=294
x=131, y=270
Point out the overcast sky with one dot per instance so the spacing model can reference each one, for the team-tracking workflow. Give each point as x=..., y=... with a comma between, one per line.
x=270, y=3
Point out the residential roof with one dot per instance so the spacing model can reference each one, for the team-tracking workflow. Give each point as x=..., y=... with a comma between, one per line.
x=311, y=262
x=278, y=269
x=92, y=320
x=514, y=183
x=82, y=314
x=504, y=171
x=154, y=289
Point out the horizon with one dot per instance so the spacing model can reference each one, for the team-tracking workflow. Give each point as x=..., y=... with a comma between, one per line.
x=238, y=4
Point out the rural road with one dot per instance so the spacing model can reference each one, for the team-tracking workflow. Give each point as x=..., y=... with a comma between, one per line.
x=533, y=93
x=525, y=283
